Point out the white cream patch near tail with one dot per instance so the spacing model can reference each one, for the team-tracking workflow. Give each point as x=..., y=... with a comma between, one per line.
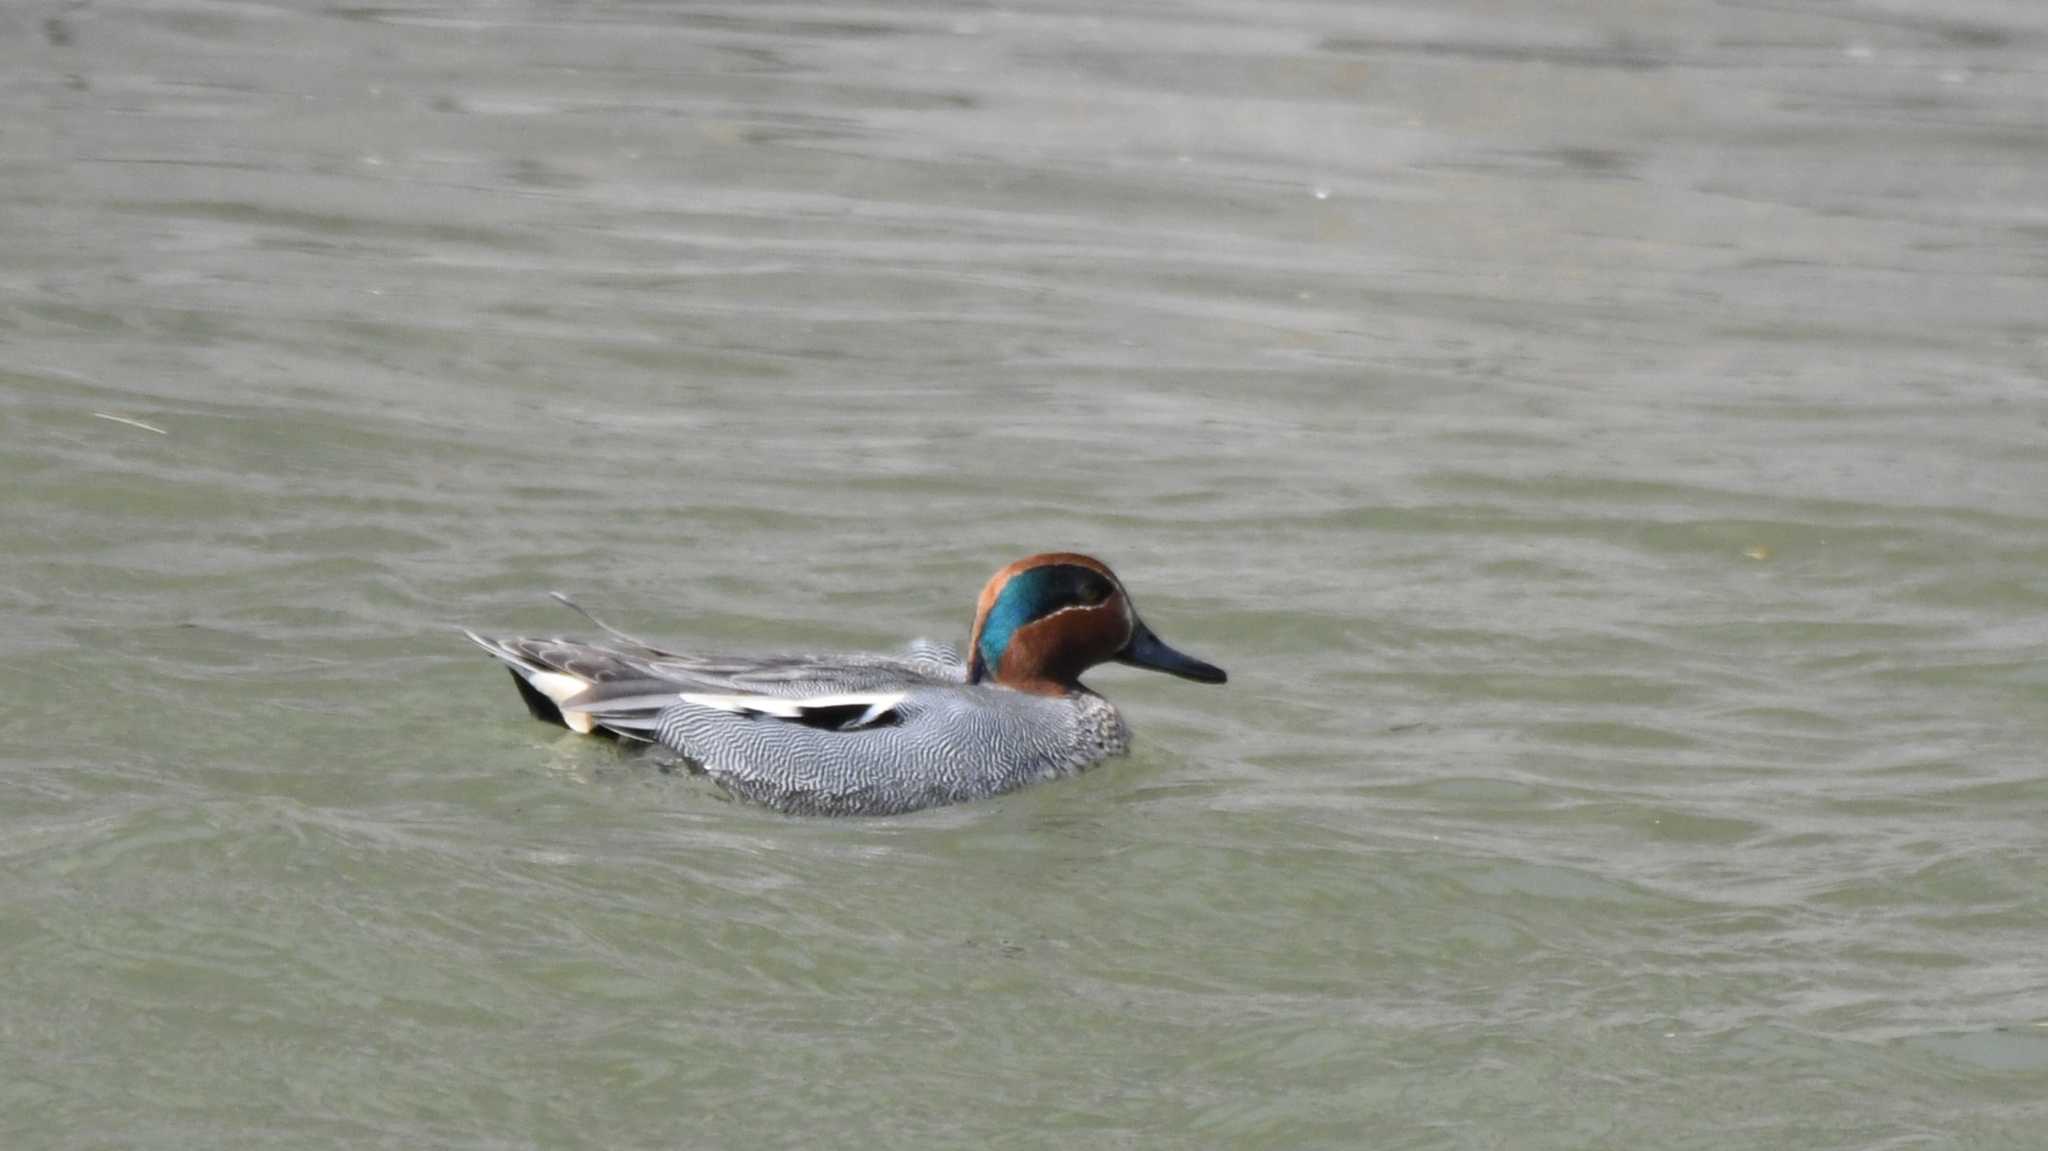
x=561, y=688
x=557, y=686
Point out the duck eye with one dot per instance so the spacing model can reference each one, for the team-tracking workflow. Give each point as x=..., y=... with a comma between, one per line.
x=1094, y=593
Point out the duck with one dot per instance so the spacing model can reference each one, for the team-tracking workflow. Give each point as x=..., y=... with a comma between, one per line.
x=871, y=733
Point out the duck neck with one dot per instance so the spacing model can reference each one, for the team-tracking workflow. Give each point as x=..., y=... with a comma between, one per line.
x=1041, y=685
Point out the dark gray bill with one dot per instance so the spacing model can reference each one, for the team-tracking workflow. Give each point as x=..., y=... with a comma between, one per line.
x=1148, y=650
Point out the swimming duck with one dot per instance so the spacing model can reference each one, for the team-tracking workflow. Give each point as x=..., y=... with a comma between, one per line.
x=871, y=734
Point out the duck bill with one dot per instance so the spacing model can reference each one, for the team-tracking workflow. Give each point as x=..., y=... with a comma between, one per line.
x=1148, y=650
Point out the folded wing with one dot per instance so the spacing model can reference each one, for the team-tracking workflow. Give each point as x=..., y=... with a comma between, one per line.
x=623, y=690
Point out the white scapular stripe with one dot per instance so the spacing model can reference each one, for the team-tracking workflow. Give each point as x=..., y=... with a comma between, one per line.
x=878, y=704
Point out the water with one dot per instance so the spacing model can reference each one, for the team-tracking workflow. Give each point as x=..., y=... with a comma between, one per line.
x=1605, y=443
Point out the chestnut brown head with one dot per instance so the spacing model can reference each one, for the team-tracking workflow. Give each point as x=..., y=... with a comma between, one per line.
x=1044, y=620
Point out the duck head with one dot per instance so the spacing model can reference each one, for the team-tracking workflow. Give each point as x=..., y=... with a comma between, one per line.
x=1044, y=620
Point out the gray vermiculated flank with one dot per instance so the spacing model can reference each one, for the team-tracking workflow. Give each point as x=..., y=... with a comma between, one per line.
x=949, y=744
x=947, y=741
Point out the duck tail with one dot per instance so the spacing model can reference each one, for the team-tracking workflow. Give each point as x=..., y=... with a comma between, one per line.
x=586, y=689
x=542, y=684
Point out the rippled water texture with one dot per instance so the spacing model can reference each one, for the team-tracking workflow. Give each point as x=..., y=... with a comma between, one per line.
x=1605, y=441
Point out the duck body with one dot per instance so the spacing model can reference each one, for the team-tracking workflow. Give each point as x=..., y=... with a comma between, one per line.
x=871, y=734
